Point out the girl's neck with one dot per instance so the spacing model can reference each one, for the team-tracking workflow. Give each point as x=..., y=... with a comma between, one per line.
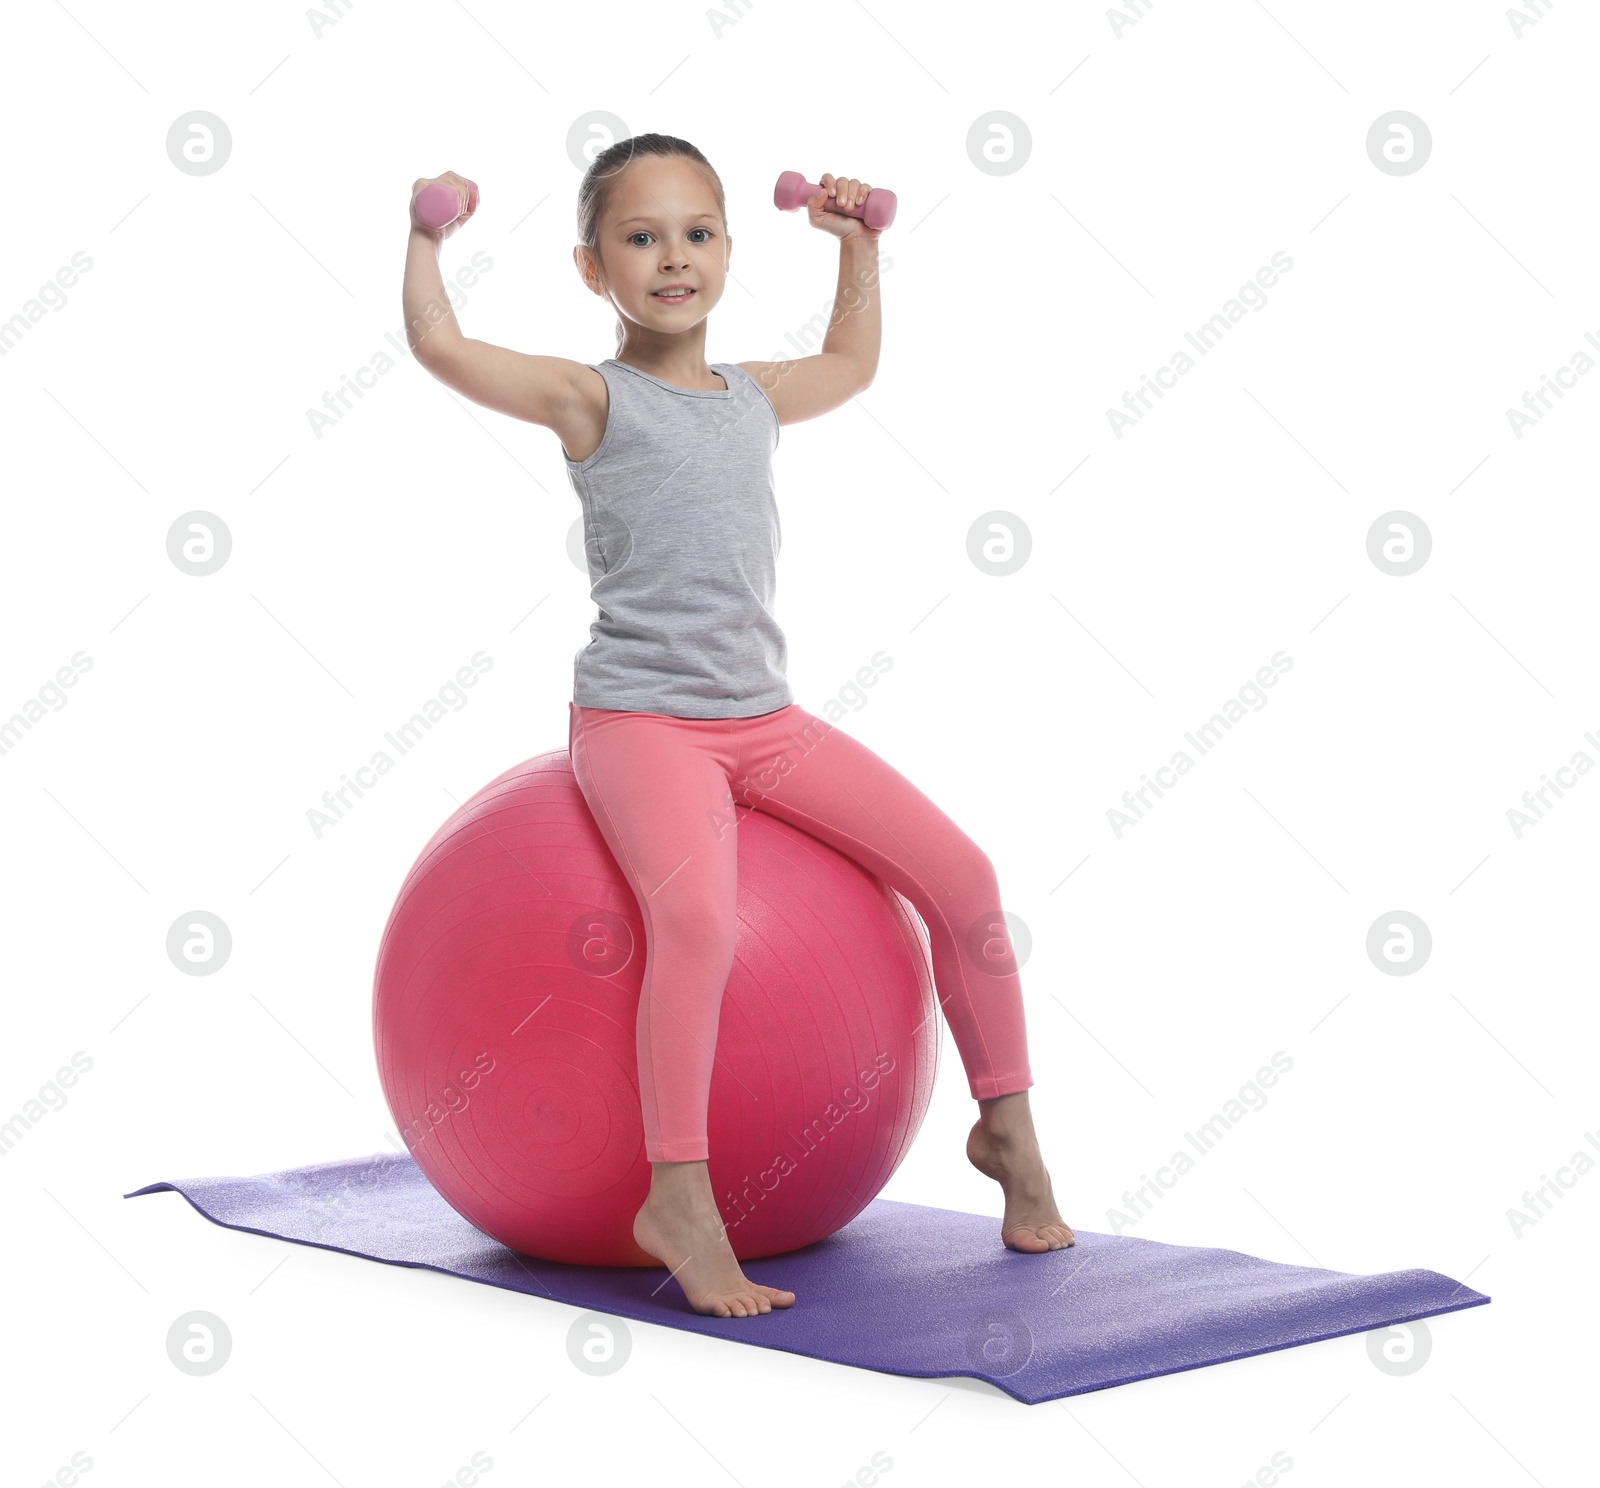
x=683, y=364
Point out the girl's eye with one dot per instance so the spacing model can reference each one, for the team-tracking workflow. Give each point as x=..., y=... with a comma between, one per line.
x=643, y=234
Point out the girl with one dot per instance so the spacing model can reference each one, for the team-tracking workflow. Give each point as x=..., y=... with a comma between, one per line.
x=680, y=699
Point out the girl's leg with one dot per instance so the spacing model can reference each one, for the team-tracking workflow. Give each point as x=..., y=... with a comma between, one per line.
x=658, y=790
x=655, y=786
x=817, y=777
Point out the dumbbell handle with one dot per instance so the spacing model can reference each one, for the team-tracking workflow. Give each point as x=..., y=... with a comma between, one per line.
x=439, y=205
x=793, y=191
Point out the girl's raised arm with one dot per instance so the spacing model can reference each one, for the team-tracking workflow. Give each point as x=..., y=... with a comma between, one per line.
x=537, y=389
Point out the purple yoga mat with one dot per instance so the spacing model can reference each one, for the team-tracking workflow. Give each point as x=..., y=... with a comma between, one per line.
x=903, y=1288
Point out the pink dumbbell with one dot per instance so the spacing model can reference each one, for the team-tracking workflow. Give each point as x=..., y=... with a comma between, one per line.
x=793, y=191
x=439, y=205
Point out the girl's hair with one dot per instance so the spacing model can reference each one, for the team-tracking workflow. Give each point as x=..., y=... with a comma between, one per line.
x=594, y=193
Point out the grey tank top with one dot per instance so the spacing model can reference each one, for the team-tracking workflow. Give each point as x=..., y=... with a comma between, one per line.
x=681, y=533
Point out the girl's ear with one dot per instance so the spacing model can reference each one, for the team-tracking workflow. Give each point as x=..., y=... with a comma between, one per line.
x=587, y=268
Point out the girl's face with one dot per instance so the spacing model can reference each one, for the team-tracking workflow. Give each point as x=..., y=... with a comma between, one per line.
x=662, y=226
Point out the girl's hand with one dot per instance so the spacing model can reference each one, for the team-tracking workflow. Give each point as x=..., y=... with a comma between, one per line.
x=843, y=191
x=466, y=190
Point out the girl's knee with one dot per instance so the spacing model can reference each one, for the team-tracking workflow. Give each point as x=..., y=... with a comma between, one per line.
x=698, y=920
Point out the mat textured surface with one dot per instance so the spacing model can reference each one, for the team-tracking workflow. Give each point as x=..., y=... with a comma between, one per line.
x=904, y=1288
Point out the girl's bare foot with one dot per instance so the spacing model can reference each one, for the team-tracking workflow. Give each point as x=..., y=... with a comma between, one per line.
x=680, y=1226
x=1002, y=1145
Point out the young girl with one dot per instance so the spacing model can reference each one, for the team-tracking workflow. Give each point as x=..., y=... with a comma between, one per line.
x=680, y=699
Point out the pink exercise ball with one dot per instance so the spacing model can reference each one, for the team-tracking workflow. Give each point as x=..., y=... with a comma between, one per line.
x=504, y=1009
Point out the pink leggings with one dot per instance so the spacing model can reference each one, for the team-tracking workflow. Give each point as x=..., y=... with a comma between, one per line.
x=655, y=785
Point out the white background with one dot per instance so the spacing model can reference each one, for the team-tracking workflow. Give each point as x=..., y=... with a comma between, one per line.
x=1167, y=165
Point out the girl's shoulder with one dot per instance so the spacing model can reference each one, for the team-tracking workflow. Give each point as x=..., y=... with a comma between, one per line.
x=806, y=387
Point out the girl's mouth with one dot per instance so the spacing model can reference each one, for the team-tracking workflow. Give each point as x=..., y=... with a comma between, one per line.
x=675, y=299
